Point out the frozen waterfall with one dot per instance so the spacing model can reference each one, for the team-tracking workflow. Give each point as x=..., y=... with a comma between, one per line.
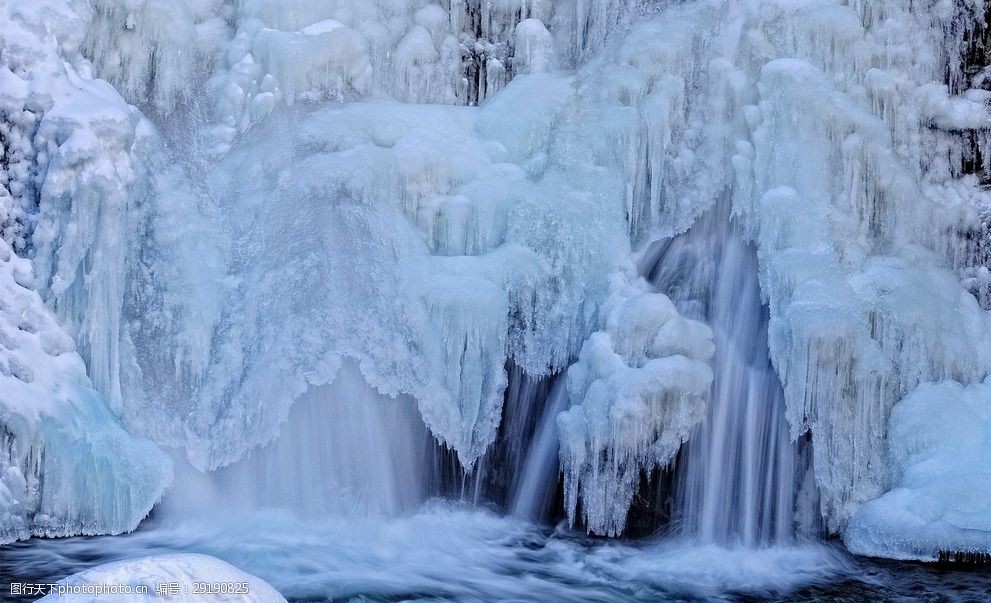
x=738, y=472
x=614, y=285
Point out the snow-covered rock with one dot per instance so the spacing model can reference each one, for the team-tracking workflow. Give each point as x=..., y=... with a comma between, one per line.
x=195, y=577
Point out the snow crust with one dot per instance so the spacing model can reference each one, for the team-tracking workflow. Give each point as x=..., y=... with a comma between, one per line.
x=939, y=441
x=148, y=572
x=638, y=388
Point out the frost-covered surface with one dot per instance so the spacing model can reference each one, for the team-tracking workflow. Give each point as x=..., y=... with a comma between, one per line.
x=638, y=388
x=300, y=208
x=147, y=573
x=66, y=464
x=939, y=441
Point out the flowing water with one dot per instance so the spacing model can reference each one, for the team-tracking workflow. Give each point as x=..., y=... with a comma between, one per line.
x=737, y=476
x=340, y=507
x=448, y=552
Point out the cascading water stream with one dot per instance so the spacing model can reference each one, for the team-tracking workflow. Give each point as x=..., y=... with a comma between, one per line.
x=736, y=476
x=536, y=485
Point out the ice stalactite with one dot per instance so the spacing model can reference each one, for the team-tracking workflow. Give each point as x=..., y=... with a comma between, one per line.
x=843, y=151
x=639, y=387
x=240, y=60
x=855, y=259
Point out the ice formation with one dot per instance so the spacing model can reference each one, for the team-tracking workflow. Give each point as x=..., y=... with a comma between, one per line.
x=430, y=191
x=250, y=57
x=142, y=576
x=66, y=464
x=939, y=442
x=638, y=388
x=861, y=221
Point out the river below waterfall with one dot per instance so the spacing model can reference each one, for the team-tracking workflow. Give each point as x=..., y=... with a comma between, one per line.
x=448, y=552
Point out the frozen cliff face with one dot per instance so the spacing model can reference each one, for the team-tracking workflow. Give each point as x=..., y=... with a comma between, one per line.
x=846, y=150
x=66, y=465
x=939, y=444
x=395, y=235
x=862, y=225
x=373, y=173
x=638, y=388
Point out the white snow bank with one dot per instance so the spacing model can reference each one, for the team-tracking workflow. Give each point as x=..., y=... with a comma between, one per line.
x=66, y=465
x=143, y=575
x=939, y=443
x=638, y=388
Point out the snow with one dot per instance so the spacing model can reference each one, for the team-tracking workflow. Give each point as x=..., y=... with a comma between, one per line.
x=534, y=47
x=185, y=570
x=638, y=388
x=939, y=442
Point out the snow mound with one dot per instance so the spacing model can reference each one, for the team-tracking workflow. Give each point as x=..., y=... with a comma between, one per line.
x=939, y=442
x=639, y=387
x=183, y=570
x=66, y=465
